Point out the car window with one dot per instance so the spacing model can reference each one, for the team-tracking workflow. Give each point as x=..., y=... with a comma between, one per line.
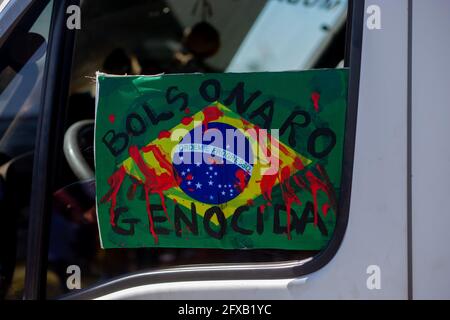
x=173, y=37
x=22, y=61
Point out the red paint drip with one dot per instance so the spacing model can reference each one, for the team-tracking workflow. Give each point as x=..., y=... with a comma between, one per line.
x=187, y=120
x=187, y=110
x=250, y=202
x=189, y=177
x=132, y=191
x=149, y=215
x=114, y=181
x=245, y=124
x=282, y=148
x=240, y=176
x=298, y=164
x=165, y=180
x=112, y=118
x=163, y=204
x=164, y=134
x=329, y=185
x=262, y=208
x=162, y=160
x=289, y=196
x=266, y=185
x=325, y=209
x=262, y=137
x=149, y=174
x=316, y=185
x=154, y=183
x=300, y=182
x=315, y=97
x=210, y=114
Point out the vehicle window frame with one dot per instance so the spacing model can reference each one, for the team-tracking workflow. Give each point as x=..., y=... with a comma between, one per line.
x=54, y=93
x=50, y=133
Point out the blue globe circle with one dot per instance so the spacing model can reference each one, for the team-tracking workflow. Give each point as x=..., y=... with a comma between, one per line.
x=215, y=171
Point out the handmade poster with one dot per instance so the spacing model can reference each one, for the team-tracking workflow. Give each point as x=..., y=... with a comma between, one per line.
x=231, y=161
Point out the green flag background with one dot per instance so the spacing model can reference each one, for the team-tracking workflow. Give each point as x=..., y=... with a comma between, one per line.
x=309, y=110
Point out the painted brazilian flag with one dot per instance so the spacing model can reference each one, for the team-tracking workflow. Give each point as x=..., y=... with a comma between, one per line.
x=234, y=161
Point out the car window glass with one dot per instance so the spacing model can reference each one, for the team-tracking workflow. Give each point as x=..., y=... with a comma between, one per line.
x=22, y=62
